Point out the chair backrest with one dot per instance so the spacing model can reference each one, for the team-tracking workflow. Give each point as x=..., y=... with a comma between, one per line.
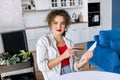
x=105, y=36
x=110, y=38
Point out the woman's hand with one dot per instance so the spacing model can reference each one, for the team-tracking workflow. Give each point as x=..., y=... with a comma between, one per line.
x=69, y=52
x=88, y=56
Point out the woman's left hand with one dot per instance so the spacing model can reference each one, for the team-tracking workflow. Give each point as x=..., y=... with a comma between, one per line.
x=88, y=55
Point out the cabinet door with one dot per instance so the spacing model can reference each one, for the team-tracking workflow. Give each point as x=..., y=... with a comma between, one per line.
x=76, y=3
x=33, y=35
x=42, y=4
x=83, y=34
x=78, y=33
x=64, y=3
x=71, y=3
x=54, y=4
x=80, y=3
x=73, y=33
x=93, y=31
x=41, y=32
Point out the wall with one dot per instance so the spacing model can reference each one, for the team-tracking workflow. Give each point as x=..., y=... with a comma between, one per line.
x=38, y=18
x=1, y=46
x=106, y=14
x=10, y=15
x=115, y=14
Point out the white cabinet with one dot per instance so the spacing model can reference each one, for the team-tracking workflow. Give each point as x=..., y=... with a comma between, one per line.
x=93, y=31
x=33, y=35
x=73, y=33
x=78, y=33
x=68, y=3
x=83, y=33
x=81, y=3
x=42, y=4
x=56, y=4
x=63, y=3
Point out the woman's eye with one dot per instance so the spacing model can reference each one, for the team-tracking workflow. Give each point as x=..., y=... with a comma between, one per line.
x=63, y=23
x=55, y=23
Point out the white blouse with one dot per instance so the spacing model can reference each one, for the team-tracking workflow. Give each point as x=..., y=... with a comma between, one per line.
x=46, y=49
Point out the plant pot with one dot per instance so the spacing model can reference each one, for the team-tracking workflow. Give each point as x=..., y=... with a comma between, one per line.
x=17, y=66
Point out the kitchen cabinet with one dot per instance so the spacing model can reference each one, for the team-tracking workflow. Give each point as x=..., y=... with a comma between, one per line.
x=84, y=35
x=78, y=33
x=71, y=3
x=93, y=31
x=56, y=4
x=33, y=35
x=81, y=3
x=36, y=17
x=72, y=33
x=63, y=3
x=42, y=4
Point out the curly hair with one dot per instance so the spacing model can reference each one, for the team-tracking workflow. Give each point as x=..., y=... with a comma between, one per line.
x=60, y=12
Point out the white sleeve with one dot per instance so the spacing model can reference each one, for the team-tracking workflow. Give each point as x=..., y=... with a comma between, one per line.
x=75, y=60
x=42, y=55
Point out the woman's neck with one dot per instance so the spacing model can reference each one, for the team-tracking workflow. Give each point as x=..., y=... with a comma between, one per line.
x=59, y=40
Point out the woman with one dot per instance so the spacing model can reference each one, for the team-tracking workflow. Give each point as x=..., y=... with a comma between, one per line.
x=55, y=53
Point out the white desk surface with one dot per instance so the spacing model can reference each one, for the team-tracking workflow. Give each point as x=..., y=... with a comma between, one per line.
x=16, y=72
x=89, y=75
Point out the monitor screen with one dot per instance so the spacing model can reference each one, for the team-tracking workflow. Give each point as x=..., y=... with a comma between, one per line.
x=15, y=41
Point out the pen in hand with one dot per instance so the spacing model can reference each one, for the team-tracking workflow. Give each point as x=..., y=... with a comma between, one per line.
x=79, y=48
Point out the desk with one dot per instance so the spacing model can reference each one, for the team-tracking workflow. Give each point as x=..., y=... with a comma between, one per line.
x=16, y=72
x=89, y=75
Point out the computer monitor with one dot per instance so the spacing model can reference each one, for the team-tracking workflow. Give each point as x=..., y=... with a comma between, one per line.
x=14, y=41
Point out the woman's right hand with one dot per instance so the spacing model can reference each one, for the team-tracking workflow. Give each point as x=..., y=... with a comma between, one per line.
x=69, y=52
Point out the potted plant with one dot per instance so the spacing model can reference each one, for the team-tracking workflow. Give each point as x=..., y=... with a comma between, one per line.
x=25, y=56
x=4, y=56
x=16, y=61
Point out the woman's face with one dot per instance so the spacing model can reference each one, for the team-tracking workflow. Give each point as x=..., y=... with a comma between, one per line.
x=58, y=25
